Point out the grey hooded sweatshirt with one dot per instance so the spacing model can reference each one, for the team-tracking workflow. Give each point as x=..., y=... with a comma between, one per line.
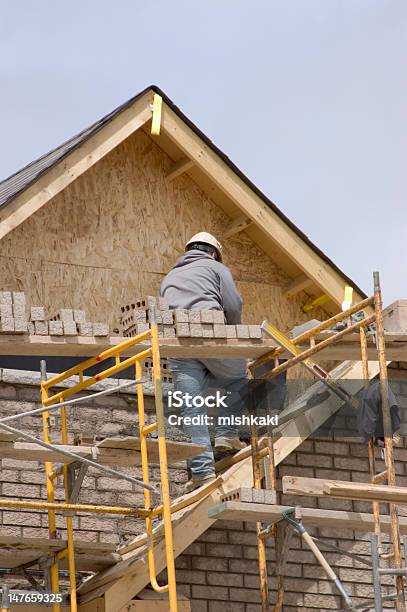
x=197, y=281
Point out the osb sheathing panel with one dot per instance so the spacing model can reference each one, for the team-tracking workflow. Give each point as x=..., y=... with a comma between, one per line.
x=115, y=232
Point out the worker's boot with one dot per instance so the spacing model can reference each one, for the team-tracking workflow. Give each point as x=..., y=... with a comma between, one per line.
x=228, y=445
x=196, y=483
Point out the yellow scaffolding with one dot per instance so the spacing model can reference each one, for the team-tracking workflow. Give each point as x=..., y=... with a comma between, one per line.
x=300, y=356
x=59, y=400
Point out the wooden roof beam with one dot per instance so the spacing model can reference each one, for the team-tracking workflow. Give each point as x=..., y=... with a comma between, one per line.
x=299, y=283
x=311, y=517
x=238, y=225
x=183, y=165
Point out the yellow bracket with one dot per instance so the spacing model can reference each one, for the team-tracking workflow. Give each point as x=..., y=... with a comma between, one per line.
x=348, y=297
x=280, y=338
x=319, y=301
x=156, y=119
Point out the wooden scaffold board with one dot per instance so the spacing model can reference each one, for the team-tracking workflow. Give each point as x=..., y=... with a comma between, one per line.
x=111, y=451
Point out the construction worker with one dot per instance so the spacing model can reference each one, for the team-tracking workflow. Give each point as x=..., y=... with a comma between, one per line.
x=199, y=280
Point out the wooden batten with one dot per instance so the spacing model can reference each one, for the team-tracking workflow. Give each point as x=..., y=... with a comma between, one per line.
x=311, y=517
x=361, y=491
x=300, y=283
x=237, y=226
x=179, y=168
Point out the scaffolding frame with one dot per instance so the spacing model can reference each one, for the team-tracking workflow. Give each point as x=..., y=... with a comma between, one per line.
x=264, y=458
x=51, y=402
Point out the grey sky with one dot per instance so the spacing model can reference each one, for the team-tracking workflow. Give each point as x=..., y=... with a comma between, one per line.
x=308, y=97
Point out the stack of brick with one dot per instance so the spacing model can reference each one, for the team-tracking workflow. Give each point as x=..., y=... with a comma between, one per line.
x=13, y=312
x=181, y=323
x=69, y=322
x=16, y=317
x=136, y=317
x=210, y=324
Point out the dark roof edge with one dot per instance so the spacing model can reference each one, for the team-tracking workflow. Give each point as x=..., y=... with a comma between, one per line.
x=86, y=132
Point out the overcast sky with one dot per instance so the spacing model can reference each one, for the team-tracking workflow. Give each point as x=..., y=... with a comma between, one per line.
x=307, y=97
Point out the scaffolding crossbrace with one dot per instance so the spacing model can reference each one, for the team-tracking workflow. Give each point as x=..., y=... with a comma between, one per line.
x=263, y=460
x=58, y=401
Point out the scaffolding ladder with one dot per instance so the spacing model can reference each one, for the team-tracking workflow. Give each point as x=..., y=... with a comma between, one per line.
x=73, y=472
x=263, y=459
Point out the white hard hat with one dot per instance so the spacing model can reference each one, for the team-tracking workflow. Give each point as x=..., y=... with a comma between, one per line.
x=205, y=238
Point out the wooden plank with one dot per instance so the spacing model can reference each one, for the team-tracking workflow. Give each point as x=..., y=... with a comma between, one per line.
x=311, y=517
x=250, y=348
x=106, y=455
x=298, y=284
x=53, y=544
x=179, y=168
x=252, y=205
x=89, y=556
x=28, y=451
x=84, y=346
x=176, y=451
x=75, y=164
x=297, y=485
x=83, y=561
x=238, y=225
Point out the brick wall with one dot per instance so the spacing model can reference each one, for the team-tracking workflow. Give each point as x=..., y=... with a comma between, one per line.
x=19, y=479
x=219, y=571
